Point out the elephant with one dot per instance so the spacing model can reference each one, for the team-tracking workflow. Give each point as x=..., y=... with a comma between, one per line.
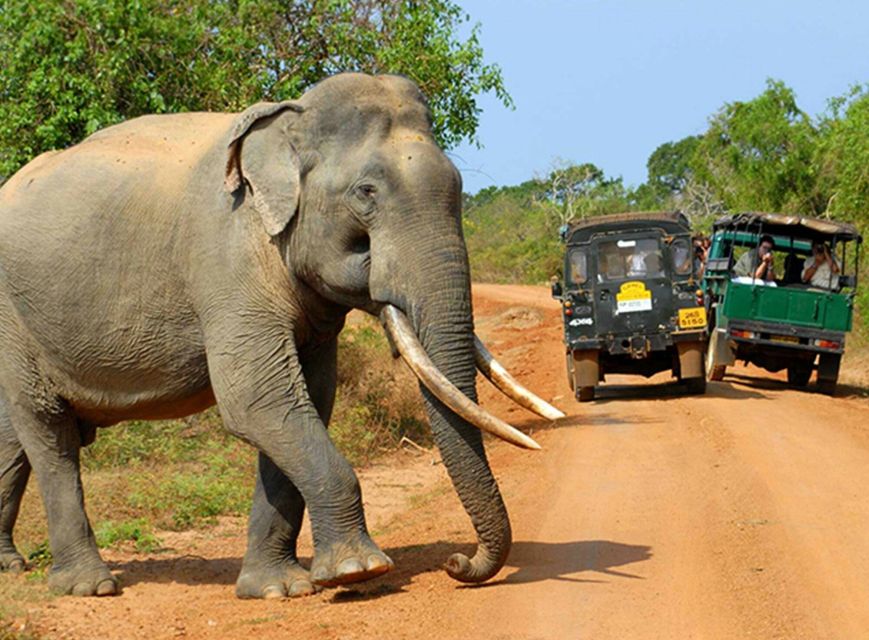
x=175, y=261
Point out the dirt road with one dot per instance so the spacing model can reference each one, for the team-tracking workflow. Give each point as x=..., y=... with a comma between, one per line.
x=739, y=514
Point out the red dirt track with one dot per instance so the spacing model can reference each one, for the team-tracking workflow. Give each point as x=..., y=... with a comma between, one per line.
x=648, y=514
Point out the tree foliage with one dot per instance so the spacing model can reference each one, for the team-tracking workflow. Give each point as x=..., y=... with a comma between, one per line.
x=758, y=154
x=68, y=68
x=669, y=167
x=842, y=157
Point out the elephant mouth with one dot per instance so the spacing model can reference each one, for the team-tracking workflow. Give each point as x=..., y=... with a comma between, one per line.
x=408, y=346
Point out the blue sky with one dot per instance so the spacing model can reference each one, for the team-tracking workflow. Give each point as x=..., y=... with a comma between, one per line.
x=607, y=81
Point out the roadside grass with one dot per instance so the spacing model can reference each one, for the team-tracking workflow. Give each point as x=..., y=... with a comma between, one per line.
x=378, y=400
x=141, y=478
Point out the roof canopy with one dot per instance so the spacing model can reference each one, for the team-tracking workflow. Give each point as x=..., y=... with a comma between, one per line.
x=670, y=221
x=781, y=224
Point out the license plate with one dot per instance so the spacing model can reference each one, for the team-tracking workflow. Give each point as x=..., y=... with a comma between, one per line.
x=693, y=318
x=791, y=339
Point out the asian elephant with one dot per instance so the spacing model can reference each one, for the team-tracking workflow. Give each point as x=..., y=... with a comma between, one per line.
x=174, y=261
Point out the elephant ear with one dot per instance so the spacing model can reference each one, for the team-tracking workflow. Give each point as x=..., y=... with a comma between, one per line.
x=262, y=158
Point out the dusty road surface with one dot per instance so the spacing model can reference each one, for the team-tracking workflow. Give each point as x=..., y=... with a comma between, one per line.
x=740, y=514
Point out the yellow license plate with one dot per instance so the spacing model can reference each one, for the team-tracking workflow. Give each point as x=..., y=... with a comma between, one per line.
x=694, y=318
x=792, y=339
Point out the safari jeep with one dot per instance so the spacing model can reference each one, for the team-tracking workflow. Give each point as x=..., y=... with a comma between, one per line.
x=630, y=300
x=786, y=320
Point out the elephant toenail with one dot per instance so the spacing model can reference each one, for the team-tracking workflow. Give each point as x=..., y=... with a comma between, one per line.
x=107, y=588
x=273, y=592
x=301, y=588
x=320, y=575
x=379, y=562
x=16, y=566
x=349, y=567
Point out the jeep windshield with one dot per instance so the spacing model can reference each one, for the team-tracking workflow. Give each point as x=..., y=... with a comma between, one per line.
x=629, y=258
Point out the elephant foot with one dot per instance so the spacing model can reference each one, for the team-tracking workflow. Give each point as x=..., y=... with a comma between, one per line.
x=347, y=563
x=11, y=561
x=269, y=582
x=89, y=581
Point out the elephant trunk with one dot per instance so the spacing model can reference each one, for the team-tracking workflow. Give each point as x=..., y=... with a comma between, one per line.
x=444, y=323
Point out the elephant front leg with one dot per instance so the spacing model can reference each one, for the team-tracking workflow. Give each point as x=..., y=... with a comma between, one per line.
x=14, y=472
x=51, y=441
x=270, y=406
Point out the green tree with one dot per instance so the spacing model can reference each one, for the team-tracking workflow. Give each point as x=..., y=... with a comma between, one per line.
x=69, y=68
x=758, y=155
x=669, y=167
x=574, y=191
x=843, y=156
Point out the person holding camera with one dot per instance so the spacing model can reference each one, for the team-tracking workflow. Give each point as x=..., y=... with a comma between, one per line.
x=762, y=258
x=821, y=270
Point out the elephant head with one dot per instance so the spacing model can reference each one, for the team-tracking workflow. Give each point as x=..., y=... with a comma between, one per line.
x=366, y=210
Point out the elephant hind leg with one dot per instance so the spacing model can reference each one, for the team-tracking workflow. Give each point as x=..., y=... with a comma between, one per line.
x=14, y=473
x=51, y=439
x=271, y=568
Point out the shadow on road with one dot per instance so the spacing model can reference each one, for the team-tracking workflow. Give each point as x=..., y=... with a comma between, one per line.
x=191, y=570
x=607, y=393
x=743, y=380
x=852, y=390
x=537, y=561
x=533, y=562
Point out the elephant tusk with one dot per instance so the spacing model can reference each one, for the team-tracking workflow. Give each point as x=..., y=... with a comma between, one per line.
x=509, y=386
x=408, y=345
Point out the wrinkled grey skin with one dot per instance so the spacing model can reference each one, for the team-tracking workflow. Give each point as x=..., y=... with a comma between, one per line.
x=175, y=260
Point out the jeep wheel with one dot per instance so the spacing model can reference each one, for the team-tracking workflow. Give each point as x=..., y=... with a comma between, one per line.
x=714, y=372
x=694, y=385
x=799, y=374
x=828, y=372
x=571, y=376
x=586, y=373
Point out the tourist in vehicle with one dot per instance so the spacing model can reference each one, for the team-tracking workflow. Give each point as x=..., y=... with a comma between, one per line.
x=701, y=254
x=821, y=270
x=757, y=263
x=611, y=262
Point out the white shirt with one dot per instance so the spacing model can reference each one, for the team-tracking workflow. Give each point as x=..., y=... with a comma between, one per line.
x=821, y=276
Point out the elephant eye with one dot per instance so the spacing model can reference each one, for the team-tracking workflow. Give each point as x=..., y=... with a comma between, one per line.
x=360, y=198
x=366, y=190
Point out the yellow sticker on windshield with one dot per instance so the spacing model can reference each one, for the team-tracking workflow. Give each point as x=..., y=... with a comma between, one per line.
x=633, y=296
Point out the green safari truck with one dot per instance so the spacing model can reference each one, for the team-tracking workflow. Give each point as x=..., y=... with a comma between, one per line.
x=779, y=294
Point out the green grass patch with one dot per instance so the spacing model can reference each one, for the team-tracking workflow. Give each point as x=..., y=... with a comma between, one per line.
x=194, y=498
x=138, y=532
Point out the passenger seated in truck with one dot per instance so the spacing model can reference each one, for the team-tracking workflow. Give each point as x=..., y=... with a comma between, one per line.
x=821, y=270
x=761, y=257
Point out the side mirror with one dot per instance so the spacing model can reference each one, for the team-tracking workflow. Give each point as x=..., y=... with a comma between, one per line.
x=847, y=282
x=557, y=291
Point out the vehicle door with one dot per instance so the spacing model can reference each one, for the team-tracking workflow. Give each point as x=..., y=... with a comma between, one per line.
x=632, y=288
